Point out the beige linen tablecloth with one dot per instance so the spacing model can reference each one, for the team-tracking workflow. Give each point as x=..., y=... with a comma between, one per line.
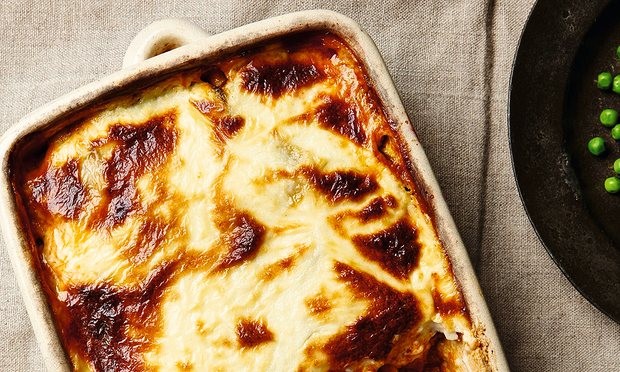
x=450, y=60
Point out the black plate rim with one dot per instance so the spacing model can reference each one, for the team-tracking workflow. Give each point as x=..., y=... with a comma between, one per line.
x=515, y=172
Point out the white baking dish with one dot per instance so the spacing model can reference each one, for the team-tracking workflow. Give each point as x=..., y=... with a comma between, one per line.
x=192, y=46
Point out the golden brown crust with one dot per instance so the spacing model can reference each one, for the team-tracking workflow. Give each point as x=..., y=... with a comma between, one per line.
x=251, y=333
x=395, y=248
x=117, y=181
x=372, y=335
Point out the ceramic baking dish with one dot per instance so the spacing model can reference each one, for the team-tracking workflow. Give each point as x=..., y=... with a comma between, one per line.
x=189, y=46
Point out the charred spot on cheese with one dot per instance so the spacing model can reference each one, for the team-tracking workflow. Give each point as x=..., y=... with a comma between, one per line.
x=252, y=332
x=443, y=305
x=59, y=190
x=38, y=242
x=377, y=208
x=229, y=125
x=286, y=264
x=225, y=125
x=395, y=248
x=342, y=184
x=382, y=146
x=275, y=269
x=98, y=318
x=277, y=79
x=318, y=304
x=98, y=328
x=150, y=235
x=139, y=149
x=388, y=151
x=242, y=236
x=390, y=313
x=214, y=76
x=340, y=117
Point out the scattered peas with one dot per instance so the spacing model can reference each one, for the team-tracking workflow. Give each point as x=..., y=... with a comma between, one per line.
x=612, y=185
x=615, y=132
x=603, y=80
x=609, y=117
x=596, y=146
x=615, y=85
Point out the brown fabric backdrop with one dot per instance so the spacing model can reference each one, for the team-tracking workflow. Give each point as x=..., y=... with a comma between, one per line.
x=450, y=60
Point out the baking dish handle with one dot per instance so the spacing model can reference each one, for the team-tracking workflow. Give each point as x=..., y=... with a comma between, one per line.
x=160, y=37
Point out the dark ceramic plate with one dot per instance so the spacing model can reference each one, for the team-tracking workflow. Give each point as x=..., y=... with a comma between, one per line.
x=553, y=112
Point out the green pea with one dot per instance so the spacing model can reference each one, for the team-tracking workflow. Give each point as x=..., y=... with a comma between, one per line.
x=615, y=85
x=609, y=117
x=612, y=185
x=618, y=52
x=617, y=166
x=603, y=80
x=596, y=146
x=615, y=132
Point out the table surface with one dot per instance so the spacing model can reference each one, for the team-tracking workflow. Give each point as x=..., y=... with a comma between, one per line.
x=450, y=61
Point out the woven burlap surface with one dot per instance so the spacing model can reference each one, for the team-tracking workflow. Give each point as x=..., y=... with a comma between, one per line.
x=450, y=60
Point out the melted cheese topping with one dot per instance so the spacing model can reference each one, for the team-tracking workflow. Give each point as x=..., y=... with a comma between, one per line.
x=257, y=214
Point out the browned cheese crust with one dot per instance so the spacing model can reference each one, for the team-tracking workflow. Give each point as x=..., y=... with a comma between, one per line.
x=256, y=212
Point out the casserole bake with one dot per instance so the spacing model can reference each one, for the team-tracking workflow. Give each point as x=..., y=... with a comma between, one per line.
x=259, y=206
